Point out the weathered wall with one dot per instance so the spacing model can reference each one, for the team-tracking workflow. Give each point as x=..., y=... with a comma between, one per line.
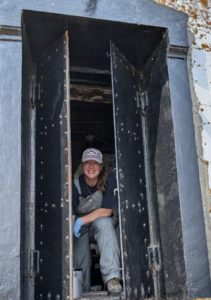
x=199, y=62
x=10, y=93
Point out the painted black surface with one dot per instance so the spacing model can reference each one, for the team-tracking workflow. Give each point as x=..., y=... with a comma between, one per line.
x=137, y=278
x=163, y=172
x=89, y=38
x=27, y=204
x=192, y=219
x=52, y=195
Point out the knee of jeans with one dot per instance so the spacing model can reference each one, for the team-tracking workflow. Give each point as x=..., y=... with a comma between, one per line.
x=104, y=222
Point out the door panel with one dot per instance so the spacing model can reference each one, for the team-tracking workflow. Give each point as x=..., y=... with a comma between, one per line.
x=53, y=174
x=137, y=276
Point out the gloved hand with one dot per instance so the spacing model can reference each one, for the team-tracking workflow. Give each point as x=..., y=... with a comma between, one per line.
x=77, y=227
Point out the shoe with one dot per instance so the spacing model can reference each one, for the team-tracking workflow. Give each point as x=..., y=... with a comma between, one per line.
x=114, y=287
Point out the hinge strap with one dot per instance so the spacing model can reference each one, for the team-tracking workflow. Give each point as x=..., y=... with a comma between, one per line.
x=154, y=257
x=34, y=262
x=142, y=101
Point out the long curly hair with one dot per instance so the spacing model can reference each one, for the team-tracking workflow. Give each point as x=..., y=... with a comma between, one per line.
x=102, y=179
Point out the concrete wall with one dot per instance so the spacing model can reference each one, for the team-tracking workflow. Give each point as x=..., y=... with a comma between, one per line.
x=10, y=154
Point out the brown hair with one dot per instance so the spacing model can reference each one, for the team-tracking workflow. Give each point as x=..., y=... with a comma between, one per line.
x=102, y=178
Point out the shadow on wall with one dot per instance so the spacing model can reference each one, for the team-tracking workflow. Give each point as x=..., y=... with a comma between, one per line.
x=91, y=6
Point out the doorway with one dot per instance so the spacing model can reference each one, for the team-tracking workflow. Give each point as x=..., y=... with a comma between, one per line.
x=104, y=104
x=92, y=126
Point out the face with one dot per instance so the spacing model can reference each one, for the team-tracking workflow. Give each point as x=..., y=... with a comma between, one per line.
x=91, y=169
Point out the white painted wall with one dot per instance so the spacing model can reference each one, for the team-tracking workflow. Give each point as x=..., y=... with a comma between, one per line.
x=10, y=111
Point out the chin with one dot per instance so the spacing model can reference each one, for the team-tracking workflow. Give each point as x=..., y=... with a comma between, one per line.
x=91, y=176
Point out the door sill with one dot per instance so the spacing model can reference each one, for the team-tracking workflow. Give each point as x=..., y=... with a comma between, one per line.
x=102, y=295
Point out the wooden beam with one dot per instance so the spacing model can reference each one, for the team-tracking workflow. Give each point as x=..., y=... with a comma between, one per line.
x=86, y=93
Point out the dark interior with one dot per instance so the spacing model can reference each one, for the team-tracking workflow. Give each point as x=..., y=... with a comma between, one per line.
x=91, y=126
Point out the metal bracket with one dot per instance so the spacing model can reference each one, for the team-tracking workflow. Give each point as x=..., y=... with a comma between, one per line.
x=34, y=256
x=142, y=101
x=154, y=257
x=33, y=94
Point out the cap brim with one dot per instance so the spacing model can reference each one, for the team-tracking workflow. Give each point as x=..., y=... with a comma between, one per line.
x=92, y=158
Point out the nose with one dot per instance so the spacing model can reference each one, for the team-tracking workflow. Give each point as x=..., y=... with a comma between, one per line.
x=91, y=164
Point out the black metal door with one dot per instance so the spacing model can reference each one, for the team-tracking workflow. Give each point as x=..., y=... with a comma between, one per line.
x=53, y=175
x=136, y=256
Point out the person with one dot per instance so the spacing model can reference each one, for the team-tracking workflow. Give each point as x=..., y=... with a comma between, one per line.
x=93, y=202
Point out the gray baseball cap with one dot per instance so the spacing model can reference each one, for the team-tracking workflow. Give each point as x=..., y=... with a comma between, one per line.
x=92, y=154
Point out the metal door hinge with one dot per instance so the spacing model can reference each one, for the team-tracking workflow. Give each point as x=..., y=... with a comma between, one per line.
x=154, y=257
x=34, y=257
x=35, y=92
x=142, y=101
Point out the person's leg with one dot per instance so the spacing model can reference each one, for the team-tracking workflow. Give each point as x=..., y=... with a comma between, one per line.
x=104, y=233
x=82, y=258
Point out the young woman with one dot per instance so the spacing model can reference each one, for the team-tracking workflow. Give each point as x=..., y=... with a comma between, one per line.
x=93, y=202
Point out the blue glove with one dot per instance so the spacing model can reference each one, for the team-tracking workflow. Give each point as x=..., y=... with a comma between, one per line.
x=77, y=227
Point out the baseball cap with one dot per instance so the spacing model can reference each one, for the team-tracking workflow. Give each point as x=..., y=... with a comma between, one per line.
x=92, y=154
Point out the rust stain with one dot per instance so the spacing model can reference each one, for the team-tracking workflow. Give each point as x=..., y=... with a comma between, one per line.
x=206, y=47
x=194, y=15
x=207, y=162
x=199, y=18
x=202, y=299
x=202, y=109
x=204, y=3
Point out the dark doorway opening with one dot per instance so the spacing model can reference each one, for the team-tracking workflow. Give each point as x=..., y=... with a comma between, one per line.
x=92, y=126
x=111, y=96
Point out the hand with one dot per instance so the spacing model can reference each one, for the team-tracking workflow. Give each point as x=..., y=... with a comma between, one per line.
x=77, y=227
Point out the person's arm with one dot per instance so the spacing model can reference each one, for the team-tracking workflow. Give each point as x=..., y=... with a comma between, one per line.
x=96, y=214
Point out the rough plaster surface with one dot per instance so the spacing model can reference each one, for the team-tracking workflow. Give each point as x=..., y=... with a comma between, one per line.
x=10, y=91
x=199, y=63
